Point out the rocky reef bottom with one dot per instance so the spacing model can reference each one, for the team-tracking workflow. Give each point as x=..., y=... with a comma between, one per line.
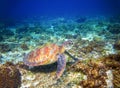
x=95, y=42
x=100, y=73
x=92, y=73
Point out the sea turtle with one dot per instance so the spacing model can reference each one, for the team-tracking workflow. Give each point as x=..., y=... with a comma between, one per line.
x=48, y=54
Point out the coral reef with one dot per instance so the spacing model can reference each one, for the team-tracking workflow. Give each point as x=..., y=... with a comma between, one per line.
x=87, y=49
x=117, y=45
x=93, y=46
x=26, y=29
x=114, y=19
x=99, y=71
x=114, y=28
x=0, y=58
x=6, y=32
x=10, y=76
x=24, y=46
x=4, y=48
x=116, y=81
x=113, y=62
x=22, y=29
x=95, y=73
x=92, y=38
x=1, y=38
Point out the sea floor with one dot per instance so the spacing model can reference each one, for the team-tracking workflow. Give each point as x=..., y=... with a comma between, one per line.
x=95, y=43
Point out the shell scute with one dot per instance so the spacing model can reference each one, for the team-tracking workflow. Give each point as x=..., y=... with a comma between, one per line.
x=42, y=55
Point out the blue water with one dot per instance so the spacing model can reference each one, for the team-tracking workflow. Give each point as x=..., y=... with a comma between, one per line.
x=22, y=9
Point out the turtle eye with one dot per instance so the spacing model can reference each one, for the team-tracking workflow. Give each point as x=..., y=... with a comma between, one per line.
x=70, y=42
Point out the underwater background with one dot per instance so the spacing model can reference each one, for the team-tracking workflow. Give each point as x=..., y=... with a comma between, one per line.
x=76, y=40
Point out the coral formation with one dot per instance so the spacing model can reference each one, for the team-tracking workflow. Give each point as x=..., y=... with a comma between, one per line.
x=95, y=73
x=24, y=46
x=1, y=38
x=26, y=29
x=117, y=45
x=10, y=76
x=87, y=48
x=113, y=62
x=92, y=38
x=22, y=30
x=6, y=32
x=114, y=28
x=114, y=19
x=98, y=71
x=4, y=48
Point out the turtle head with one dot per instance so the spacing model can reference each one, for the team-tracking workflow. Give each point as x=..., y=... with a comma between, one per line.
x=65, y=46
x=68, y=44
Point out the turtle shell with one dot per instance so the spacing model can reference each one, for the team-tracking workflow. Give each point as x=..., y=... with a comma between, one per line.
x=43, y=55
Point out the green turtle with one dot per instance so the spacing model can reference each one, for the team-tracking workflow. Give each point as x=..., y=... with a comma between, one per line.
x=48, y=54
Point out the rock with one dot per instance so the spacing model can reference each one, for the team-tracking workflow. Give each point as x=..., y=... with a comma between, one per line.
x=10, y=76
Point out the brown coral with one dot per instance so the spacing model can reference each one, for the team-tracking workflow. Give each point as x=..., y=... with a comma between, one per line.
x=113, y=62
x=24, y=46
x=84, y=48
x=10, y=76
x=96, y=71
x=116, y=81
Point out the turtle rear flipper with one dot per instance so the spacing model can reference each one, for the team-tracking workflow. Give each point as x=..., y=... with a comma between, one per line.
x=61, y=64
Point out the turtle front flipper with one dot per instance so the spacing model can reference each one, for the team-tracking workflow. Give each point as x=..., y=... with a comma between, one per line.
x=61, y=64
x=76, y=59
